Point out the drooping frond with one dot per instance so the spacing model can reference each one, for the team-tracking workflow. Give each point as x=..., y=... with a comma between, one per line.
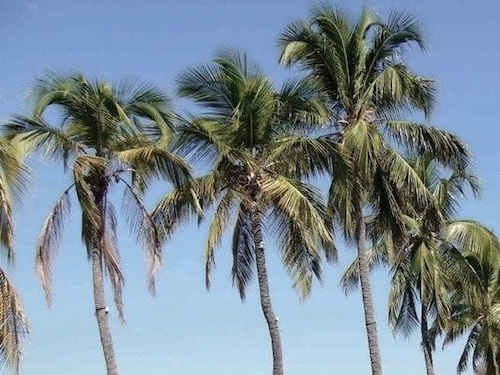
x=298, y=212
x=14, y=172
x=304, y=156
x=403, y=303
x=226, y=208
x=111, y=257
x=88, y=175
x=151, y=162
x=301, y=105
x=470, y=343
x=364, y=145
x=49, y=242
x=13, y=326
x=143, y=226
x=396, y=89
x=184, y=203
x=205, y=140
x=243, y=249
x=37, y=135
x=6, y=222
x=343, y=194
x=419, y=139
x=473, y=238
x=376, y=256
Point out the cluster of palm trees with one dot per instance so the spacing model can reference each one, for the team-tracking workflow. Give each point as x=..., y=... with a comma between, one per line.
x=395, y=185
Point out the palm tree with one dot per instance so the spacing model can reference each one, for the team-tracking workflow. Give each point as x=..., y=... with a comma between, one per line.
x=253, y=139
x=476, y=298
x=359, y=66
x=105, y=132
x=13, y=322
x=420, y=272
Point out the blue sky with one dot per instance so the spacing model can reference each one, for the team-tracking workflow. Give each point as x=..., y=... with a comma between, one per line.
x=186, y=330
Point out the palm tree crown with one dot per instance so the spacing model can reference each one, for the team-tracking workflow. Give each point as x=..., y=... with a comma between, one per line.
x=359, y=66
x=254, y=140
x=105, y=132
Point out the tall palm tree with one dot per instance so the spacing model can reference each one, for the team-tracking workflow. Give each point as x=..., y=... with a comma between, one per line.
x=476, y=297
x=253, y=139
x=106, y=133
x=421, y=269
x=359, y=66
x=420, y=272
x=13, y=322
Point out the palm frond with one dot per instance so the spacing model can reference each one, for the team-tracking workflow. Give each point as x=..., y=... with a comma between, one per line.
x=304, y=156
x=184, y=203
x=37, y=135
x=111, y=257
x=151, y=162
x=445, y=147
x=301, y=104
x=143, y=226
x=13, y=326
x=376, y=256
x=87, y=171
x=298, y=212
x=50, y=240
x=243, y=249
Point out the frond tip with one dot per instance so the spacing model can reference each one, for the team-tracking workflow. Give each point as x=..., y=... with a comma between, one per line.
x=13, y=326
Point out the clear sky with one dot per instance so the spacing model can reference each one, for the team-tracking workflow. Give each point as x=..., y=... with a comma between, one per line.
x=185, y=330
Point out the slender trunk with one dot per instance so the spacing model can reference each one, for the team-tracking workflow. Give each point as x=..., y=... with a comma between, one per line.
x=426, y=342
x=102, y=315
x=101, y=309
x=366, y=293
x=265, y=299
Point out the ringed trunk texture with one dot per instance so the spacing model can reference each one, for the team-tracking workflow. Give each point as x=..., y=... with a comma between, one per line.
x=366, y=293
x=102, y=315
x=265, y=299
x=426, y=342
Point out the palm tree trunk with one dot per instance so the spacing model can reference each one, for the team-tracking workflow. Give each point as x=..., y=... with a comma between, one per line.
x=426, y=342
x=102, y=315
x=265, y=299
x=366, y=293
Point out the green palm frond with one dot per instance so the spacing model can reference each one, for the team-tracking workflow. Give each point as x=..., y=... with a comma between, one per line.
x=205, y=140
x=37, y=135
x=445, y=147
x=472, y=237
x=305, y=156
x=377, y=256
x=298, y=212
x=153, y=161
x=184, y=203
x=243, y=249
x=88, y=175
x=403, y=299
x=364, y=145
x=343, y=194
x=301, y=105
x=226, y=208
